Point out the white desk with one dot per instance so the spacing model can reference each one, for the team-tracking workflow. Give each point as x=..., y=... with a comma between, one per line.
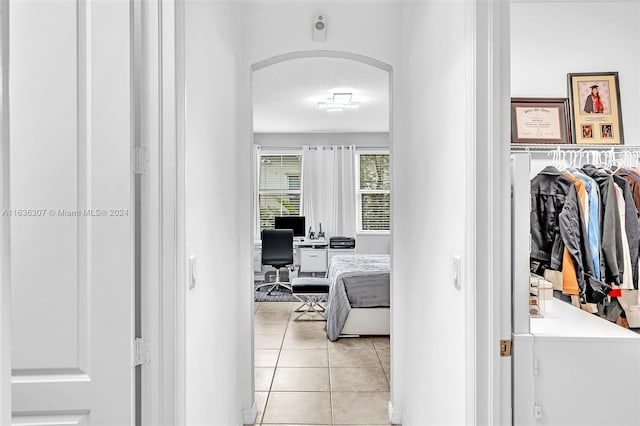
x=309, y=255
x=312, y=254
x=306, y=242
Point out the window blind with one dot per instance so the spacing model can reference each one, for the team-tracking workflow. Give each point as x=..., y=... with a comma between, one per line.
x=373, y=191
x=279, y=187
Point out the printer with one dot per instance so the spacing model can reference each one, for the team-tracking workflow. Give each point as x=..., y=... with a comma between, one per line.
x=342, y=243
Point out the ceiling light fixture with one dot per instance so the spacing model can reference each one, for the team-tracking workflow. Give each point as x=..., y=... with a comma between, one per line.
x=339, y=102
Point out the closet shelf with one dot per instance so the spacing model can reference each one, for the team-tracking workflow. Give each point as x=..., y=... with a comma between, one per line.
x=564, y=321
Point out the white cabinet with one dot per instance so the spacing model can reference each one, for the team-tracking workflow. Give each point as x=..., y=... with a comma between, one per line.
x=313, y=259
x=571, y=357
x=257, y=256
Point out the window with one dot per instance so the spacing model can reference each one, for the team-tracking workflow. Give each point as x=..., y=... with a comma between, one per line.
x=279, y=192
x=373, y=192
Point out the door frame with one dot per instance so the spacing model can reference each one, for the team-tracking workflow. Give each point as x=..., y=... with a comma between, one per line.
x=5, y=225
x=163, y=227
x=488, y=246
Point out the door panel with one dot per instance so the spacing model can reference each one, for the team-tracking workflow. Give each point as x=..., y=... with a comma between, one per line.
x=71, y=195
x=44, y=173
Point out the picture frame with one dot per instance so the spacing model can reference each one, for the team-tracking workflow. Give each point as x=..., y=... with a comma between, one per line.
x=596, y=112
x=540, y=121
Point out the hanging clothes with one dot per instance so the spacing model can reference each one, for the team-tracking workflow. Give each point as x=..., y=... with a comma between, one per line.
x=595, y=213
x=549, y=191
x=632, y=225
x=593, y=227
x=557, y=222
x=610, y=239
x=570, y=284
x=633, y=179
x=631, y=228
x=626, y=281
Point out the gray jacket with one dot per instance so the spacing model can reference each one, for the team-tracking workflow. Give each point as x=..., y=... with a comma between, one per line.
x=611, y=240
x=631, y=226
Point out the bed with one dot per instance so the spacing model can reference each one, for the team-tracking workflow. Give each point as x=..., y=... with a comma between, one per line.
x=359, y=296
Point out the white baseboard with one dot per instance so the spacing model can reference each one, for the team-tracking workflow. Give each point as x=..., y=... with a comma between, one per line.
x=249, y=416
x=396, y=417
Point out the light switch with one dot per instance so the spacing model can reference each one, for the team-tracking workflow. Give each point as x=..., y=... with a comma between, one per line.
x=457, y=272
x=192, y=272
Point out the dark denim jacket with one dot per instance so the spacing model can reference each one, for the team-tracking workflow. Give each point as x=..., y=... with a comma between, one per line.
x=549, y=190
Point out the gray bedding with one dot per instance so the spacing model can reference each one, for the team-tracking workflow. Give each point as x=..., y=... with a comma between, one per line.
x=358, y=281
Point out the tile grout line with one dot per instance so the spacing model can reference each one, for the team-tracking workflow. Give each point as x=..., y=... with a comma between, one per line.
x=382, y=366
x=275, y=368
x=330, y=386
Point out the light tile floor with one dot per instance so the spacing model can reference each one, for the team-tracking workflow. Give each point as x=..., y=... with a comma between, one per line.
x=302, y=378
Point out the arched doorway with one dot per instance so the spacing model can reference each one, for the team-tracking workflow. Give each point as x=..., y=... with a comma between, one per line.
x=314, y=75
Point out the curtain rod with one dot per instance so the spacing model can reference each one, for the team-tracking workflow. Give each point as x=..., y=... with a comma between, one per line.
x=573, y=147
x=292, y=148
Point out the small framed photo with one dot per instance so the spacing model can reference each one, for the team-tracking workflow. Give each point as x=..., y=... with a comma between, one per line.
x=540, y=121
x=595, y=108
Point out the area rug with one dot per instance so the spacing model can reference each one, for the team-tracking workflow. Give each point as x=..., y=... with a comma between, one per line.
x=279, y=295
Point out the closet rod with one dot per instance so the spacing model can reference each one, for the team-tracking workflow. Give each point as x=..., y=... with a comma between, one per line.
x=573, y=147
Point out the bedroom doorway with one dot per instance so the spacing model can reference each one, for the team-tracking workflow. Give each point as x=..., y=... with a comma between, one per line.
x=321, y=143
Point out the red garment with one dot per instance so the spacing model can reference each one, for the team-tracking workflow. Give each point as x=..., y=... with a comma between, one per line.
x=598, y=106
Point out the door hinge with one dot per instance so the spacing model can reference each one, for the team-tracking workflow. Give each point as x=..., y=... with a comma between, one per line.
x=141, y=352
x=537, y=412
x=140, y=159
x=505, y=347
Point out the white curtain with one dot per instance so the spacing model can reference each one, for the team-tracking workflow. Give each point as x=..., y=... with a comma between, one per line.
x=344, y=190
x=328, y=189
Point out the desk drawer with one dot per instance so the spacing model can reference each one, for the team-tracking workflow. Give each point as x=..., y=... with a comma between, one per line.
x=313, y=260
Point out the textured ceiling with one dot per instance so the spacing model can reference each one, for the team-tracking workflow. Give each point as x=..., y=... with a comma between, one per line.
x=286, y=95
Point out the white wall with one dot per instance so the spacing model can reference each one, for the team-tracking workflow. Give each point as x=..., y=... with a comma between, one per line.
x=218, y=337
x=428, y=190
x=365, y=27
x=373, y=243
x=552, y=38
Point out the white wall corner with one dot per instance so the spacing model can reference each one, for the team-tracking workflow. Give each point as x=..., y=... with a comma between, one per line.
x=249, y=416
x=396, y=417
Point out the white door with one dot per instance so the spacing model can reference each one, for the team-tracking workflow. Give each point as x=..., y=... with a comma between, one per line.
x=72, y=225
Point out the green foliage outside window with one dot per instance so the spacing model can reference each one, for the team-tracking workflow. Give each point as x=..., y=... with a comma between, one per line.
x=374, y=197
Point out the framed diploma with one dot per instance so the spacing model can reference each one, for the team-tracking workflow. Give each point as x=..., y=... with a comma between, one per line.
x=540, y=121
x=595, y=108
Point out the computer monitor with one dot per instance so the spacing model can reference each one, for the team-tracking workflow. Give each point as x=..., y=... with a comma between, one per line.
x=297, y=223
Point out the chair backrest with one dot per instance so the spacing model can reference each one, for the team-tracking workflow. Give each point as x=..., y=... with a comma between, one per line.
x=277, y=247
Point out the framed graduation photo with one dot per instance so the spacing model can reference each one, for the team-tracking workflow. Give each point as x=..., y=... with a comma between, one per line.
x=596, y=114
x=540, y=121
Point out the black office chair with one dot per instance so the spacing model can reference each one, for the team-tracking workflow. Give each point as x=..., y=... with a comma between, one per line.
x=277, y=251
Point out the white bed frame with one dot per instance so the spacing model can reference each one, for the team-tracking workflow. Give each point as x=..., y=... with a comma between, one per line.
x=367, y=321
